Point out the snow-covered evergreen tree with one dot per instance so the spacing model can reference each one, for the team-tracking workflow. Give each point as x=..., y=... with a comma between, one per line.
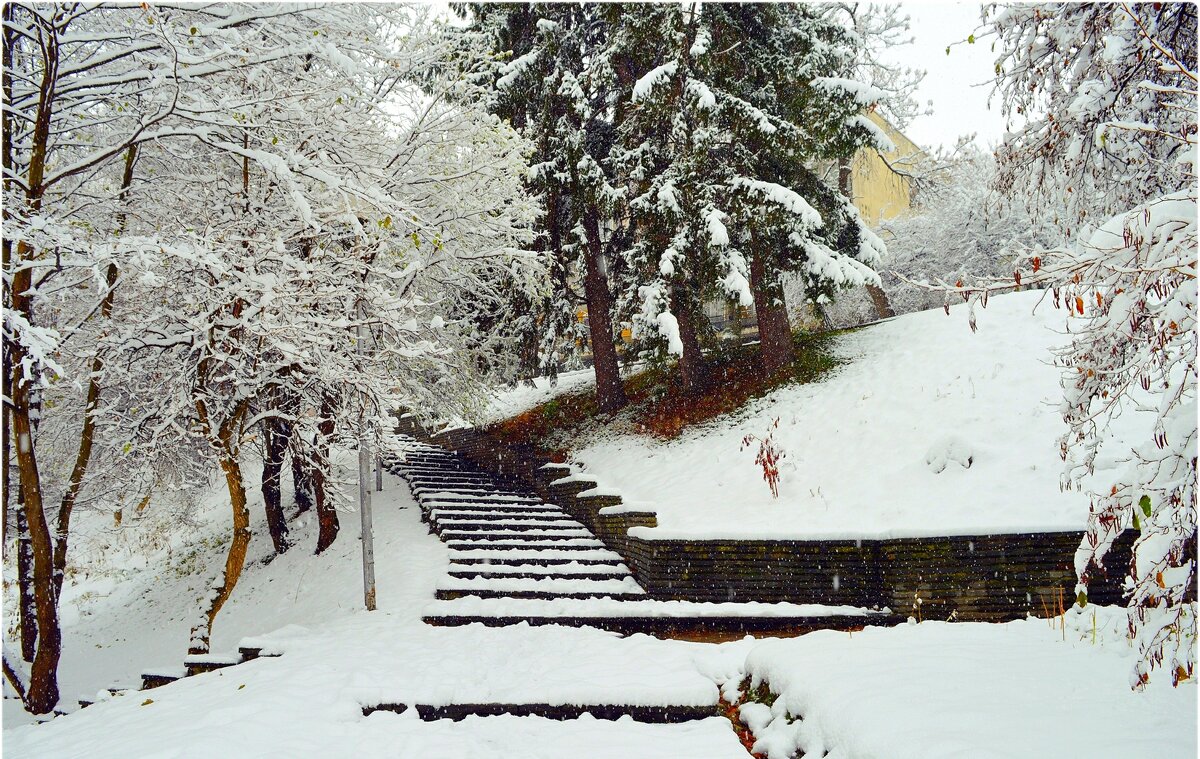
x=556, y=85
x=730, y=104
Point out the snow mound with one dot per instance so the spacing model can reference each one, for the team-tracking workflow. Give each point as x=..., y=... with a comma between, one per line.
x=949, y=449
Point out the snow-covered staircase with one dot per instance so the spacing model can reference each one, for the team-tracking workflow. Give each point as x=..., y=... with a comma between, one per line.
x=516, y=559
x=505, y=543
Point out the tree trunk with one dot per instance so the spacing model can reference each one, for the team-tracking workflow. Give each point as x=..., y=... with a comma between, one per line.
x=5, y=467
x=327, y=518
x=87, y=434
x=235, y=560
x=610, y=394
x=883, y=307
x=302, y=467
x=42, y=694
x=879, y=299
x=693, y=370
x=276, y=434
x=27, y=610
x=6, y=157
x=774, y=331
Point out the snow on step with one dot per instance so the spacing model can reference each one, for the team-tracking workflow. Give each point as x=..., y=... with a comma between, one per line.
x=478, y=494
x=472, y=503
x=447, y=482
x=506, y=736
x=568, y=544
x=524, y=553
x=494, y=527
x=625, y=585
x=517, y=539
x=584, y=608
x=524, y=515
x=567, y=569
x=534, y=530
x=454, y=499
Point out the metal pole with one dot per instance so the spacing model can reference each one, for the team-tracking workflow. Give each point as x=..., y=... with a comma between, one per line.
x=379, y=473
x=364, y=488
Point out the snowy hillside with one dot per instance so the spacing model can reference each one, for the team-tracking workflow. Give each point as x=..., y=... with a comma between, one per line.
x=927, y=429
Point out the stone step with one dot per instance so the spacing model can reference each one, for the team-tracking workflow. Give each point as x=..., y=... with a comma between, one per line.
x=510, y=536
x=426, y=483
x=448, y=594
x=156, y=678
x=498, y=512
x=655, y=714
x=593, y=567
x=541, y=559
x=703, y=628
x=448, y=476
x=503, y=526
x=416, y=467
x=623, y=585
x=489, y=507
x=440, y=492
x=430, y=462
x=198, y=664
x=465, y=500
x=439, y=472
x=559, y=545
x=489, y=573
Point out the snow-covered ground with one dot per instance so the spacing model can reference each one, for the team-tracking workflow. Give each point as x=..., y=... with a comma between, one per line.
x=943, y=689
x=510, y=401
x=927, y=429
x=337, y=659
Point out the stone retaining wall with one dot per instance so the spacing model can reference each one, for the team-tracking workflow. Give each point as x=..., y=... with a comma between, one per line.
x=980, y=577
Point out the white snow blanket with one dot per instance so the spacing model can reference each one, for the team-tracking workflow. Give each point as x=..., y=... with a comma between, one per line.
x=927, y=429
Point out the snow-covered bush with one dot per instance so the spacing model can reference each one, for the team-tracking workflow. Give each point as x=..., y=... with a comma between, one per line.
x=1108, y=94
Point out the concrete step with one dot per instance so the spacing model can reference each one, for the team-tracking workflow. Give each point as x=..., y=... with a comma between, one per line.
x=498, y=512
x=655, y=714
x=199, y=664
x=474, y=500
x=156, y=678
x=505, y=525
x=525, y=551
x=510, y=536
x=556, y=545
x=489, y=573
x=539, y=558
x=708, y=628
x=446, y=476
x=448, y=594
x=442, y=492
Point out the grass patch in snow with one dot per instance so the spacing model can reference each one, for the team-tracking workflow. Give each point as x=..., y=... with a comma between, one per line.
x=658, y=407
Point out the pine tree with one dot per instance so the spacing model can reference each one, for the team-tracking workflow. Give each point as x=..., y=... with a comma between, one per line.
x=732, y=105
x=558, y=89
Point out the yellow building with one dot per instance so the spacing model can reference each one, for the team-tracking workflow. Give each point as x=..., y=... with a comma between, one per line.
x=877, y=190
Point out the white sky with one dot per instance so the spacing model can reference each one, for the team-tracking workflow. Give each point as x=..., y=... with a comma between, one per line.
x=958, y=84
